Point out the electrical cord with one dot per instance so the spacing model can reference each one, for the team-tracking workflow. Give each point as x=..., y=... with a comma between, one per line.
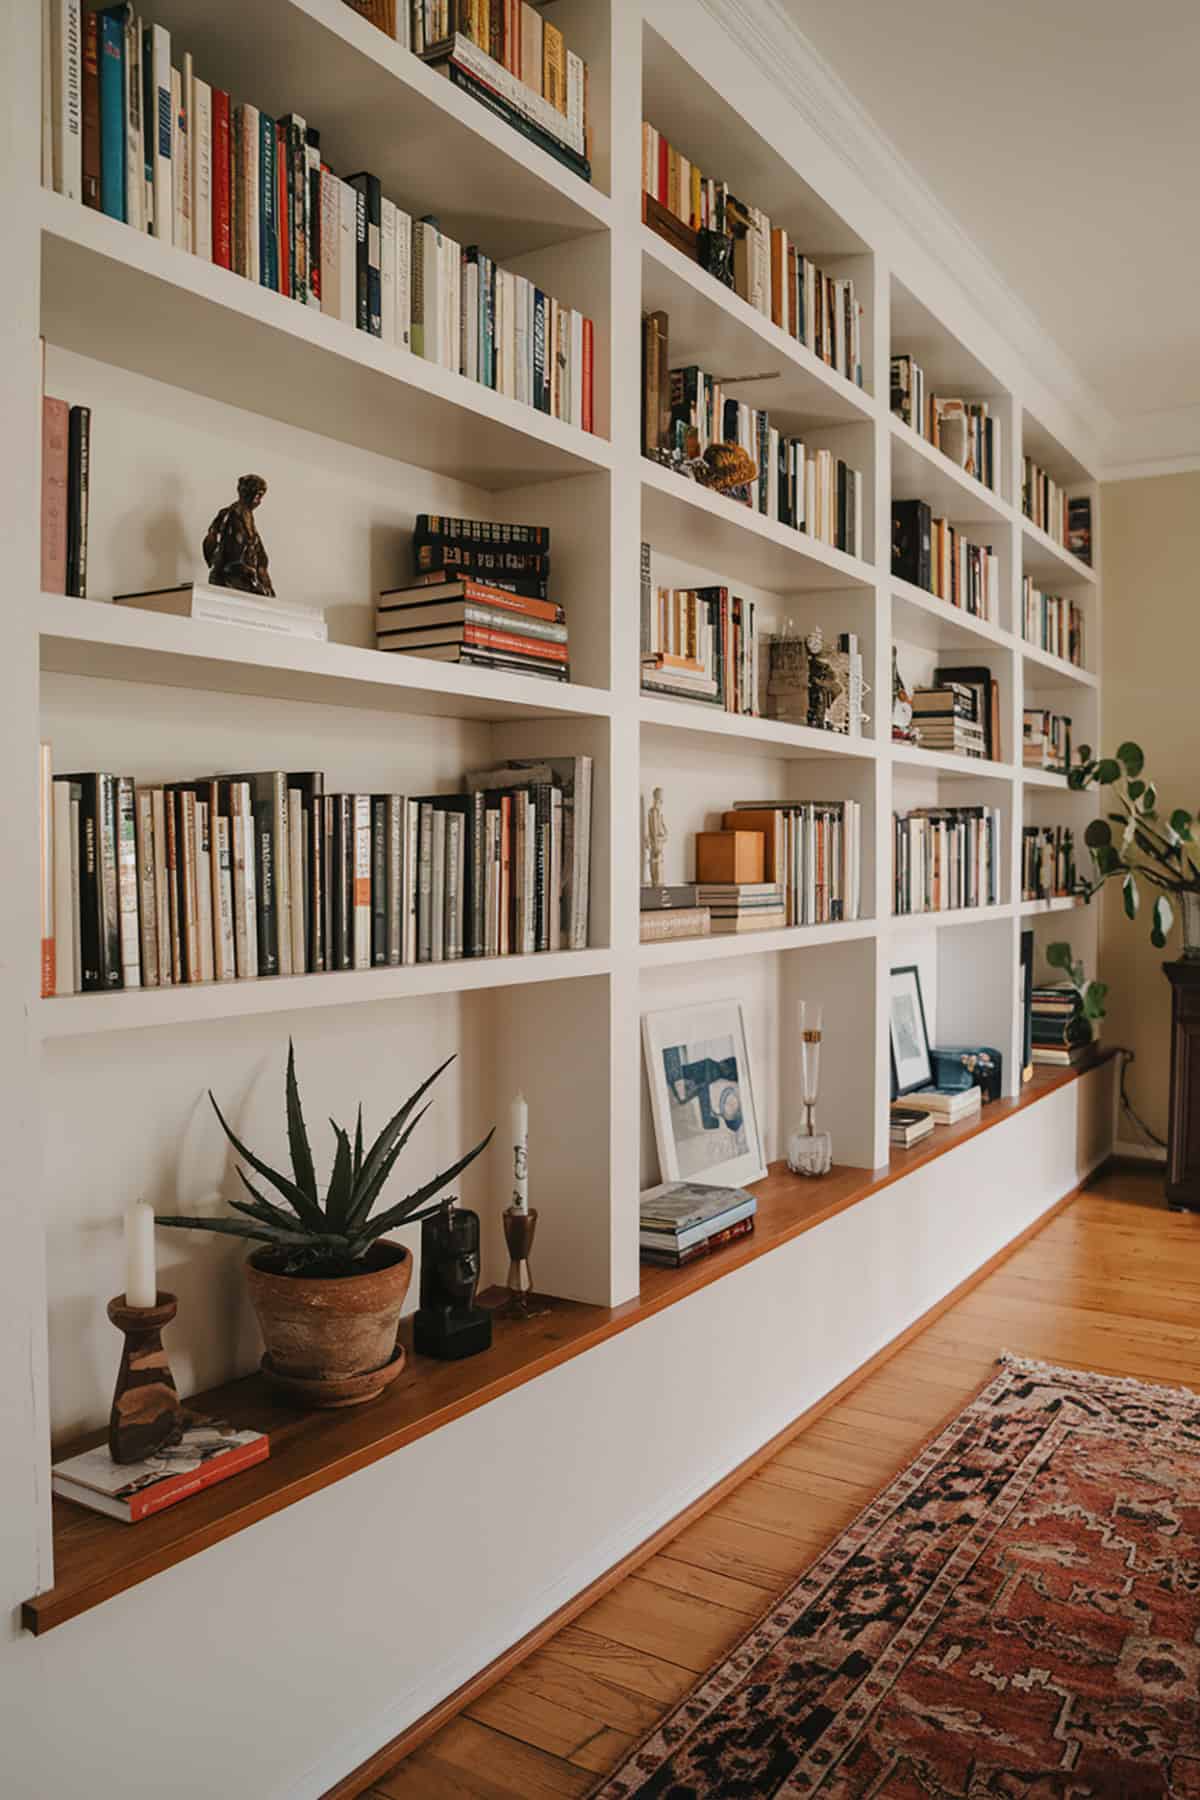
x=1127, y=1106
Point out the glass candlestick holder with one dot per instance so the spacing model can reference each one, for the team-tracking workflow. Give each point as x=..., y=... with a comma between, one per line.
x=810, y=1152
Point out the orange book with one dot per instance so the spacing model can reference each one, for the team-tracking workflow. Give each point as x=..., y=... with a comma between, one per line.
x=554, y=66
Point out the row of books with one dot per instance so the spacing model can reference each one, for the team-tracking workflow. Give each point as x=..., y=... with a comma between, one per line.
x=936, y=556
x=946, y=857
x=240, y=876
x=766, y=269
x=1047, y=862
x=1061, y=1033
x=964, y=430
x=699, y=644
x=480, y=597
x=66, y=482
x=683, y=1221
x=1052, y=622
x=219, y=178
x=813, y=852
x=1064, y=517
x=1046, y=739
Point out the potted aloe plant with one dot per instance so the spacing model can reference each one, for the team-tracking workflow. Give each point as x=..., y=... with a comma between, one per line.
x=1142, y=844
x=327, y=1289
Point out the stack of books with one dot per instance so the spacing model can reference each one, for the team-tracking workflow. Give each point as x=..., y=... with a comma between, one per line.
x=814, y=849
x=673, y=912
x=685, y=1220
x=230, y=606
x=963, y=430
x=699, y=644
x=946, y=1108
x=743, y=905
x=946, y=857
x=1062, y=1035
x=1053, y=623
x=769, y=272
x=909, y=1124
x=479, y=597
x=160, y=149
x=1046, y=742
x=1047, y=862
x=946, y=718
x=235, y=877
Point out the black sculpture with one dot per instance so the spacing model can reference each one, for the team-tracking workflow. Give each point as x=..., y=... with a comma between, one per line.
x=448, y=1324
x=235, y=554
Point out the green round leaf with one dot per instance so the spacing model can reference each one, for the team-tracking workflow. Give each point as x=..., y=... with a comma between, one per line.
x=1108, y=771
x=1136, y=789
x=1149, y=799
x=1058, y=956
x=1094, y=998
x=1181, y=822
x=1131, y=895
x=1077, y=778
x=1099, y=832
x=1106, y=859
x=1131, y=758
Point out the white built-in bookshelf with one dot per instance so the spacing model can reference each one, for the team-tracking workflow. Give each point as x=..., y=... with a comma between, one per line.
x=194, y=376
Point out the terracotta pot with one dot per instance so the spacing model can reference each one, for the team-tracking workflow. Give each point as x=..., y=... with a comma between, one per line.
x=329, y=1330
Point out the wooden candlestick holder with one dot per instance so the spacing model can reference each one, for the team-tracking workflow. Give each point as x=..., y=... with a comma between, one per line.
x=146, y=1410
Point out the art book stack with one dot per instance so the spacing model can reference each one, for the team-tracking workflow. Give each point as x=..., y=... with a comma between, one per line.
x=736, y=906
x=1062, y=1033
x=1052, y=623
x=946, y=718
x=935, y=556
x=685, y=1220
x=480, y=596
x=946, y=857
x=673, y=912
x=152, y=144
x=1047, y=740
x=964, y=430
x=1047, y=862
x=236, y=877
x=765, y=267
x=698, y=644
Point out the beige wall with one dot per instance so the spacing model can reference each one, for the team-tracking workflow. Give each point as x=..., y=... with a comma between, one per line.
x=1150, y=546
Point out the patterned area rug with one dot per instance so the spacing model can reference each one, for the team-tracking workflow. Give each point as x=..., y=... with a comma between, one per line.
x=1018, y=1614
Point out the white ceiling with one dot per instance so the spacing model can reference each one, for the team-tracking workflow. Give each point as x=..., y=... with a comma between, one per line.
x=1064, y=136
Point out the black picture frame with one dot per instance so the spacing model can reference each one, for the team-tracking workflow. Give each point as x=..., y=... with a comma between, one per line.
x=904, y=1081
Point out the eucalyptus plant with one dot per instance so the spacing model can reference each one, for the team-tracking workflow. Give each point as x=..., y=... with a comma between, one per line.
x=331, y=1238
x=1138, y=842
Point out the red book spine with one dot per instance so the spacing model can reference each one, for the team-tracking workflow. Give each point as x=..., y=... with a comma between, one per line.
x=487, y=639
x=55, y=428
x=91, y=111
x=283, y=210
x=589, y=377
x=181, y=1487
x=483, y=595
x=664, y=171
x=222, y=244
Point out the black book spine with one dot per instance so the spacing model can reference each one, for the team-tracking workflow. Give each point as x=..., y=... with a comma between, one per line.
x=843, y=542
x=262, y=801
x=109, y=882
x=343, y=881
x=79, y=434
x=379, y=880
x=311, y=786
x=368, y=222
x=91, y=960
x=362, y=284
x=329, y=868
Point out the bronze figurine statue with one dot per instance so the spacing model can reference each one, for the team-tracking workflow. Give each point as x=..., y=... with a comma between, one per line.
x=235, y=554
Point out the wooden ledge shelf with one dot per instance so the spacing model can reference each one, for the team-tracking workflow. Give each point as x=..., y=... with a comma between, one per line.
x=96, y=1558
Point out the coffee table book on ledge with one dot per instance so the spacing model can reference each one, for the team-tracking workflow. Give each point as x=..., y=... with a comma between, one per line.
x=208, y=1451
x=230, y=606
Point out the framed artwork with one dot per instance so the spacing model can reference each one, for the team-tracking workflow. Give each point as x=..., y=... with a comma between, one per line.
x=912, y=1067
x=702, y=1094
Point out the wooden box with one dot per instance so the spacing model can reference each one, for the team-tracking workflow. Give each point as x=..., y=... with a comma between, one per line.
x=730, y=855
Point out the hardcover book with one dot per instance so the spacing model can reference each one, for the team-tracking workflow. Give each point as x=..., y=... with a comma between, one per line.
x=208, y=1451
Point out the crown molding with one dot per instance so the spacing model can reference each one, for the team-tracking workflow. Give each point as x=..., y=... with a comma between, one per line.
x=1157, y=443
x=787, y=59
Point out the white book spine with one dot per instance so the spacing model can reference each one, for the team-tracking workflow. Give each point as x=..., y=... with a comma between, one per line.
x=296, y=877
x=251, y=152
x=127, y=885
x=66, y=90
x=48, y=93
x=204, y=902
x=522, y=341
x=331, y=239
x=387, y=271
x=201, y=145
x=404, y=279
x=362, y=881
x=575, y=96
x=224, y=951
x=437, y=925
x=245, y=921
x=181, y=162
x=147, y=898
x=66, y=979
x=347, y=254
x=576, y=375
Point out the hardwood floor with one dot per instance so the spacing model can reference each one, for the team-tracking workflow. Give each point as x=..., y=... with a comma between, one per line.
x=1112, y=1283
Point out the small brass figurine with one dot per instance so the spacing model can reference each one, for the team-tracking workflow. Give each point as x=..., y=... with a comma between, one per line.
x=235, y=554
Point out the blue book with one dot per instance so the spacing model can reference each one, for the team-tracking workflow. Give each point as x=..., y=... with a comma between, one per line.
x=268, y=196
x=112, y=116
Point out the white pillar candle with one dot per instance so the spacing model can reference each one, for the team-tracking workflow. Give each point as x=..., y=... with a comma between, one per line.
x=141, y=1281
x=520, y=1138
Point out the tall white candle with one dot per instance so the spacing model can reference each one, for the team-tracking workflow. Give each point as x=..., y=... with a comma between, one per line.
x=141, y=1281
x=520, y=1138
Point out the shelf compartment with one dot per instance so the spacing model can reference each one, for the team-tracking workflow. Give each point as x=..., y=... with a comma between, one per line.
x=752, y=943
x=1058, y=666
x=120, y=643
x=944, y=762
x=96, y=1558
x=163, y=313
x=791, y=742
x=379, y=107
x=955, y=915
x=86, y=1015
x=681, y=518
x=921, y=472
x=1047, y=561
x=1046, y=778
x=922, y=618
x=714, y=327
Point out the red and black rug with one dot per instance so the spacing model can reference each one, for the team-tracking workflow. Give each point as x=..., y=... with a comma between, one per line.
x=1018, y=1614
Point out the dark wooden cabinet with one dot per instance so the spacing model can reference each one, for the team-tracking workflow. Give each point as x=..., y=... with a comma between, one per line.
x=1183, y=1132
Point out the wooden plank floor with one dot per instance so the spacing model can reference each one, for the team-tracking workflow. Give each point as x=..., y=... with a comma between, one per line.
x=1112, y=1283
